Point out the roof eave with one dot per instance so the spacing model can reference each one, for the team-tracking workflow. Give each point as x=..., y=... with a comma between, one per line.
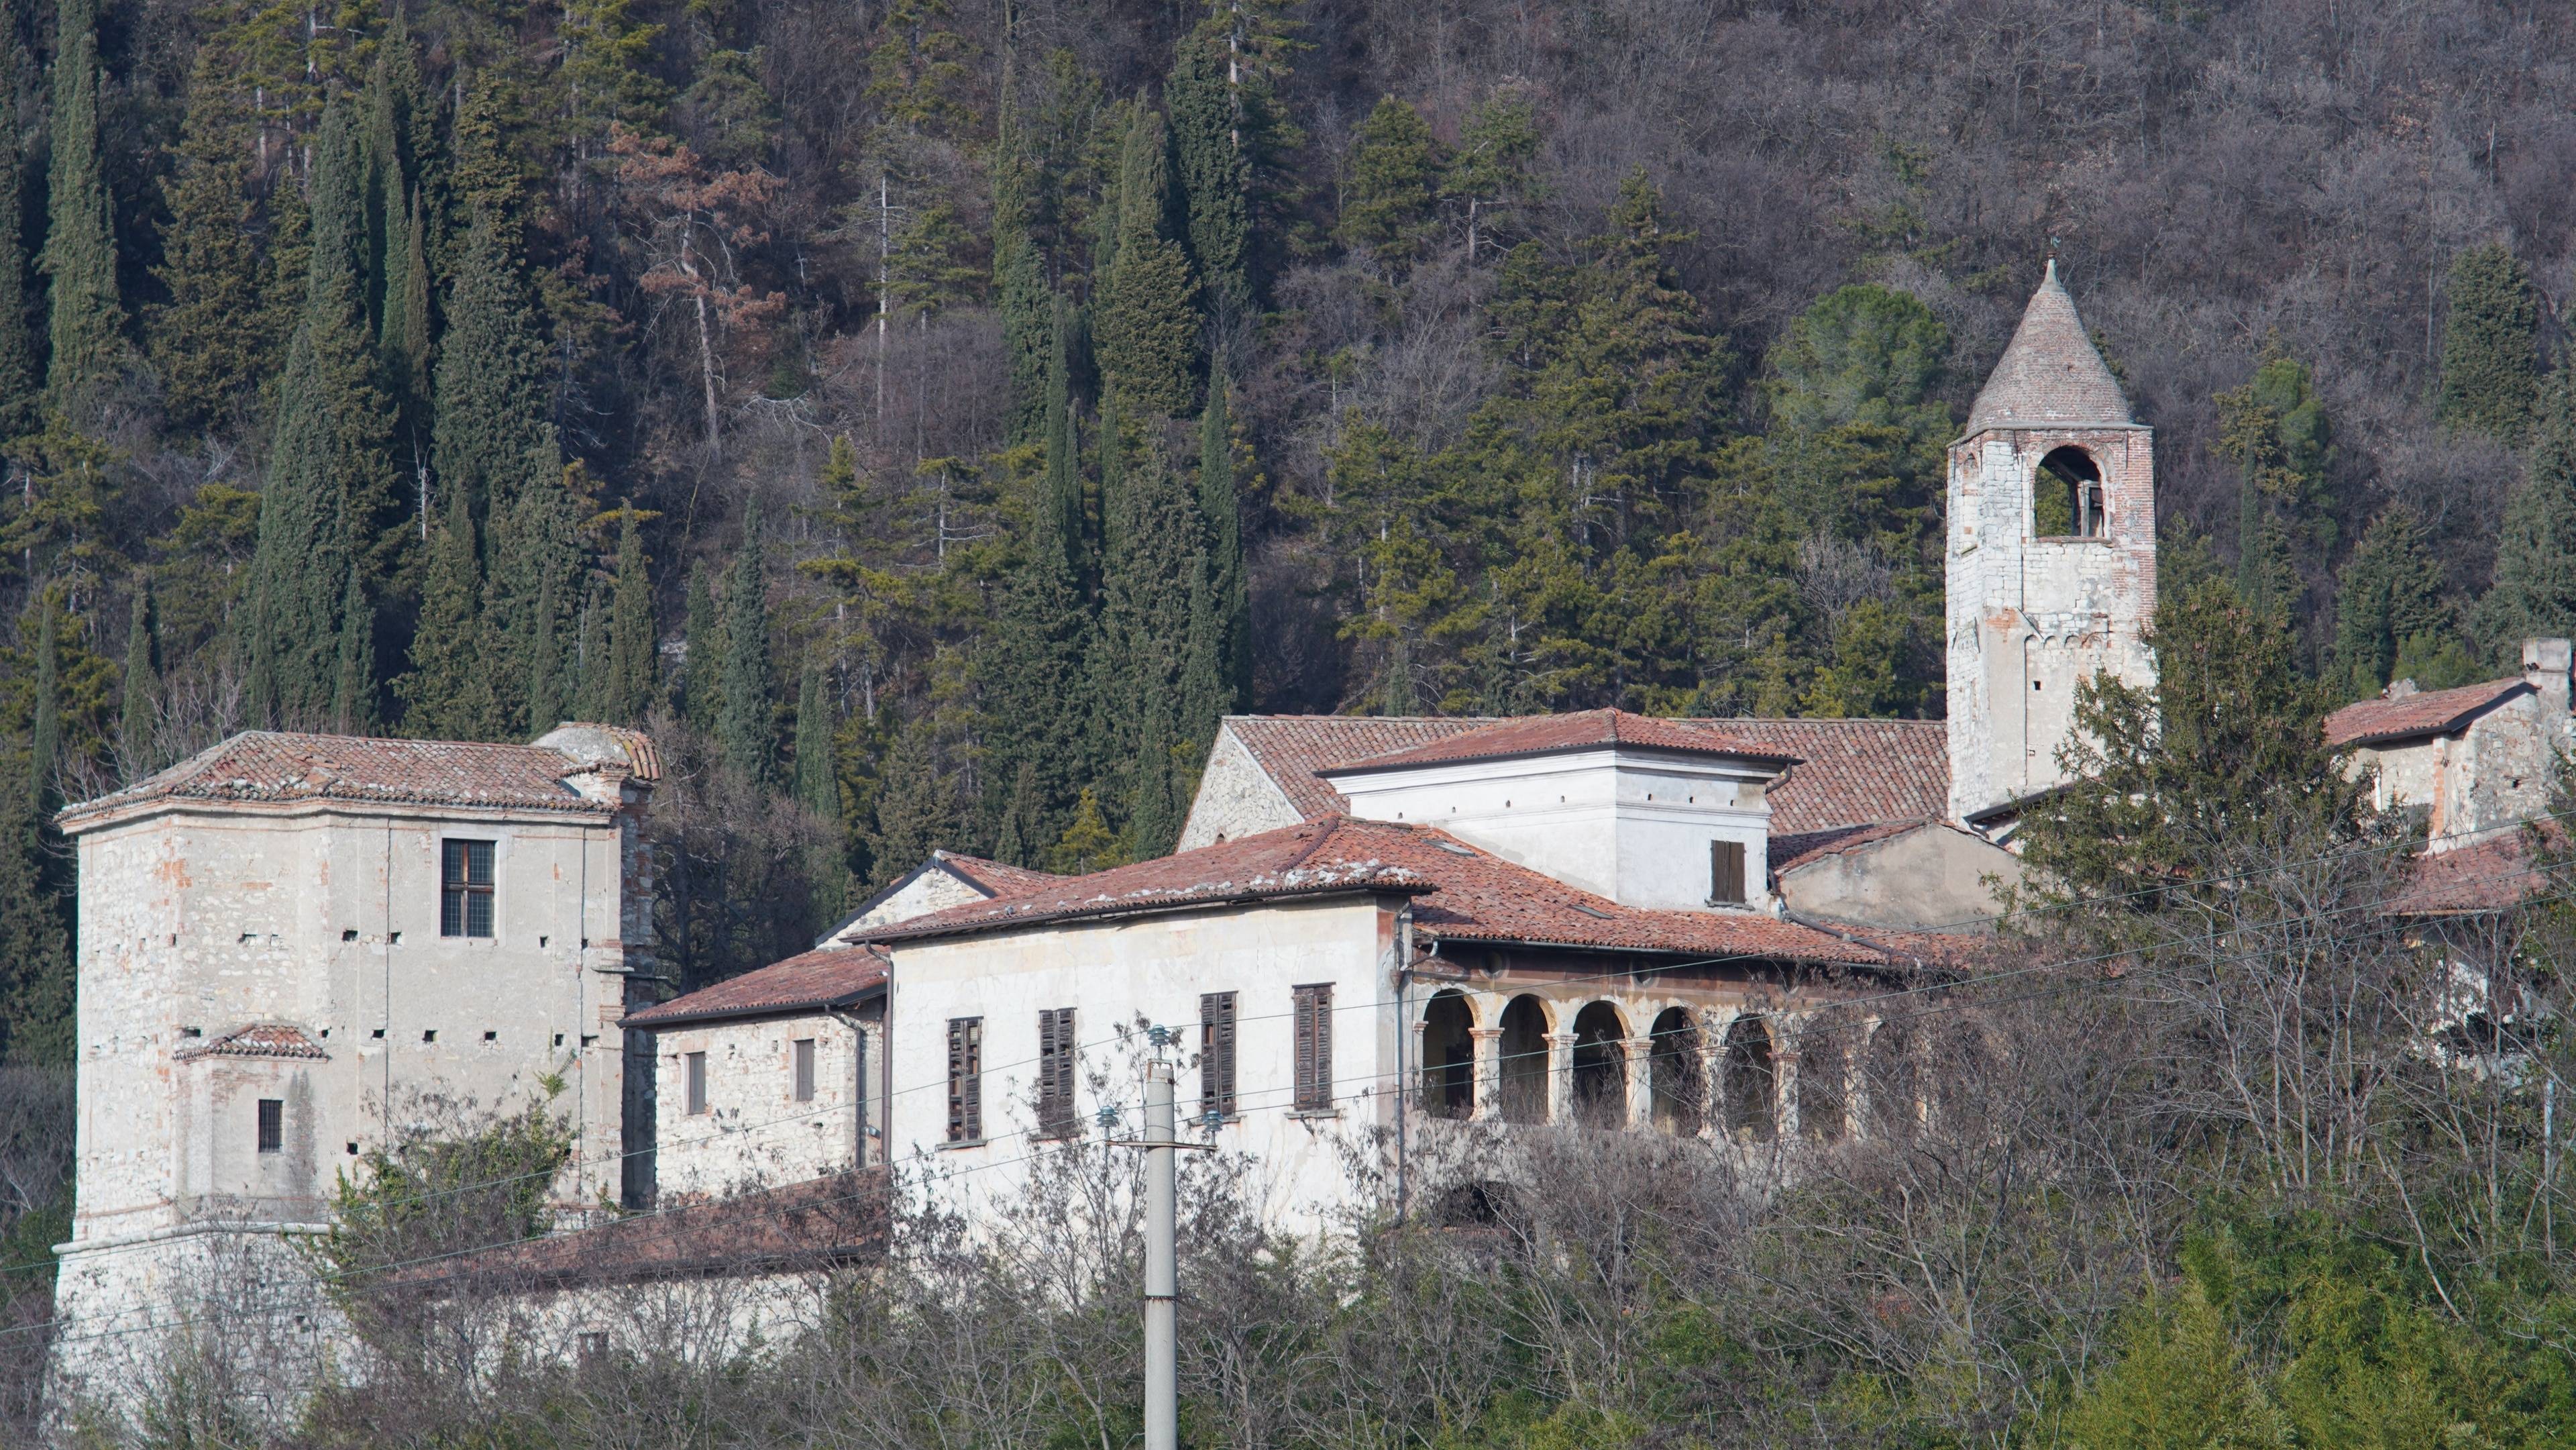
x=897, y=936
x=1366, y=767
x=834, y=1002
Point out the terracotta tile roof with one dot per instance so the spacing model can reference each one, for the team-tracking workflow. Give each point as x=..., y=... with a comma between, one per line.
x=996, y=878
x=1787, y=853
x=1849, y=772
x=1460, y=893
x=2435, y=712
x=1582, y=730
x=803, y=1227
x=268, y=766
x=265, y=1039
x=2490, y=875
x=829, y=977
x=2050, y=375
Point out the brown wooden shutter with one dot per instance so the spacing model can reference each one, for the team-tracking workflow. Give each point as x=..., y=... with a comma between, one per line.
x=1726, y=872
x=1313, y=1014
x=1216, y=1052
x=1055, y=1071
x=965, y=1079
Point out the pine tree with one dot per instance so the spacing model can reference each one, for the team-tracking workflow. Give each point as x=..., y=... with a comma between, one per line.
x=1870, y=355
x=1490, y=172
x=1215, y=174
x=1387, y=200
x=493, y=388
x=80, y=237
x=743, y=729
x=1146, y=328
x=353, y=689
x=45, y=734
x=632, y=646
x=2390, y=592
x=702, y=670
x=1088, y=844
x=18, y=374
x=2534, y=594
x=2490, y=353
x=448, y=695
x=211, y=341
x=1023, y=819
x=1228, y=591
x=2180, y=1381
x=914, y=816
x=140, y=716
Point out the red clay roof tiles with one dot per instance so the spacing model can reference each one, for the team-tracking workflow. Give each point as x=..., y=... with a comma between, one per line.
x=2495, y=874
x=996, y=878
x=272, y=767
x=2050, y=374
x=265, y=1039
x=829, y=977
x=2435, y=712
x=800, y=1227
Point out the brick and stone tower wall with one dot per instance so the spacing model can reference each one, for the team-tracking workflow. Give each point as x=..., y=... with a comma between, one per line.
x=2052, y=556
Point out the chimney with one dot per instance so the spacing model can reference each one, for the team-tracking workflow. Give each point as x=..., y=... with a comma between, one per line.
x=2545, y=664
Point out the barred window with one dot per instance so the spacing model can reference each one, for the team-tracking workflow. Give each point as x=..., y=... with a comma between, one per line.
x=1216, y=1053
x=1056, y=1057
x=1314, y=1015
x=801, y=1051
x=272, y=1125
x=465, y=889
x=965, y=1079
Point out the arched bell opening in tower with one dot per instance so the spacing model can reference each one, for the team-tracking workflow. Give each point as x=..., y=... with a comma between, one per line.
x=2068, y=495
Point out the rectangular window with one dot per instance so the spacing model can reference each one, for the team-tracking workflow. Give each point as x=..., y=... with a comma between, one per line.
x=697, y=1065
x=1314, y=1015
x=465, y=889
x=1726, y=873
x=272, y=1125
x=1216, y=1053
x=802, y=1049
x=859, y=1093
x=965, y=1079
x=1055, y=1072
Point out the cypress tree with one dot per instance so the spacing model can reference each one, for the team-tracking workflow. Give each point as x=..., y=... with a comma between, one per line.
x=141, y=712
x=448, y=693
x=18, y=375
x=2267, y=579
x=1027, y=306
x=1112, y=445
x=1023, y=819
x=212, y=340
x=702, y=670
x=591, y=667
x=1063, y=474
x=492, y=381
x=1228, y=590
x=2390, y=592
x=1146, y=328
x=1387, y=203
x=80, y=236
x=1030, y=670
x=1140, y=654
x=545, y=663
x=537, y=568
x=743, y=728
x=817, y=788
x=1215, y=175
x=1088, y=844
x=36, y=976
x=45, y=734
x=2534, y=594
x=353, y=691
x=2490, y=356
x=1153, y=814
x=913, y=816
x=631, y=642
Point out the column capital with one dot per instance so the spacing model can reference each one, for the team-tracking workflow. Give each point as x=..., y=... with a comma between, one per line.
x=1485, y=1034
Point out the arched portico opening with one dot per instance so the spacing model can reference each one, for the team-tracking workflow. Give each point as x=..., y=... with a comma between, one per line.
x=1600, y=1067
x=1448, y=1057
x=1824, y=1082
x=2066, y=496
x=1752, y=1080
x=1891, y=1088
x=1524, y=1064
x=1681, y=1093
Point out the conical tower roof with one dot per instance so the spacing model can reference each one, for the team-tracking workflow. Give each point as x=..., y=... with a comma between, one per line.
x=2050, y=376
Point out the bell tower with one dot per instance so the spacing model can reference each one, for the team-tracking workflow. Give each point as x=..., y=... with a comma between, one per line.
x=2051, y=560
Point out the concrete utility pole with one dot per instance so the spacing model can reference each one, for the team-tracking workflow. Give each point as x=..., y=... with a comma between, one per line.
x=1162, y=1271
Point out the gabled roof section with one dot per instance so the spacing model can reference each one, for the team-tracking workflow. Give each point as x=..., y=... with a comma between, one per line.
x=2495, y=874
x=264, y=1039
x=812, y=981
x=1556, y=734
x=2050, y=376
x=2436, y=712
x=1459, y=893
x=802, y=1227
x=1849, y=772
x=996, y=878
x=1788, y=853
x=985, y=878
x=275, y=768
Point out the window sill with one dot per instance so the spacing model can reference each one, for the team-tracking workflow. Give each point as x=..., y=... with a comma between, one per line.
x=956, y=1145
x=2070, y=538
x=1312, y=1114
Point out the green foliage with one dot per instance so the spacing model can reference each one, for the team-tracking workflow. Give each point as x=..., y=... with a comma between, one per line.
x=19, y=376
x=448, y=694
x=633, y=642
x=353, y=677
x=1153, y=576
x=608, y=67
x=1146, y=328
x=428, y=1194
x=88, y=313
x=743, y=727
x=817, y=787
x=2391, y=595
x=1866, y=354
x=139, y=690
x=2490, y=349
x=916, y=810
x=1087, y=844
x=702, y=673
x=1215, y=170
x=1019, y=281
x=2179, y=1382
x=1228, y=607
x=1490, y=171
x=2275, y=429
x=210, y=341
x=1393, y=173
x=2535, y=591
x=492, y=382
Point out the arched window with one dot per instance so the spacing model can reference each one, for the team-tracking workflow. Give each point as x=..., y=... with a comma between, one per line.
x=1752, y=1079
x=2066, y=497
x=1600, y=1067
x=1448, y=1058
x=1524, y=1065
x=1891, y=1088
x=1824, y=1081
x=1681, y=1096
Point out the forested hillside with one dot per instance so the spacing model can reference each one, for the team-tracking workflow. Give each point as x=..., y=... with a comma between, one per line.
x=929, y=416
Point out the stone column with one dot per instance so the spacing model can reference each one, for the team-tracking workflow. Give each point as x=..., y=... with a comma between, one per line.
x=1417, y=1070
x=1560, y=1077
x=1712, y=1073
x=1784, y=1069
x=1489, y=1073
x=1641, y=1082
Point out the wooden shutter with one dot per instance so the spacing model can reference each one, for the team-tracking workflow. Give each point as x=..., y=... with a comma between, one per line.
x=1055, y=1071
x=965, y=1079
x=1726, y=872
x=1313, y=1013
x=859, y=1093
x=1216, y=1052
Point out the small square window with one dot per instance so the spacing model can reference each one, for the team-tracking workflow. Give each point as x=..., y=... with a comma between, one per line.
x=272, y=1125
x=348, y=933
x=465, y=889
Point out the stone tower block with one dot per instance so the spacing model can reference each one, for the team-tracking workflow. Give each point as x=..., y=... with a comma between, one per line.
x=2052, y=556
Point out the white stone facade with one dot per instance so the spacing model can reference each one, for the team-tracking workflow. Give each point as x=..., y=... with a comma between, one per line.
x=752, y=1129
x=1236, y=797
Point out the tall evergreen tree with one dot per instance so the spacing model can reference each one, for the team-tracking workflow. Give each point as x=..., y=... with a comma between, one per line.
x=817, y=787
x=492, y=379
x=140, y=715
x=2490, y=351
x=405, y=337
x=1146, y=327
x=18, y=375
x=448, y=694
x=211, y=342
x=2390, y=592
x=1152, y=579
x=80, y=236
x=1490, y=173
x=702, y=672
x=743, y=730
x=1023, y=820
x=36, y=976
x=2534, y=593
x=631, y=642
x=536, y=573
x=1395, y=169
x=1064, y=498
x=546, y=680
x=1215, y=172
x=1031, y=671
x=45, y=733
x=1229, y=596
x=353, y=688
x=1027, y=305
x=914, y=814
